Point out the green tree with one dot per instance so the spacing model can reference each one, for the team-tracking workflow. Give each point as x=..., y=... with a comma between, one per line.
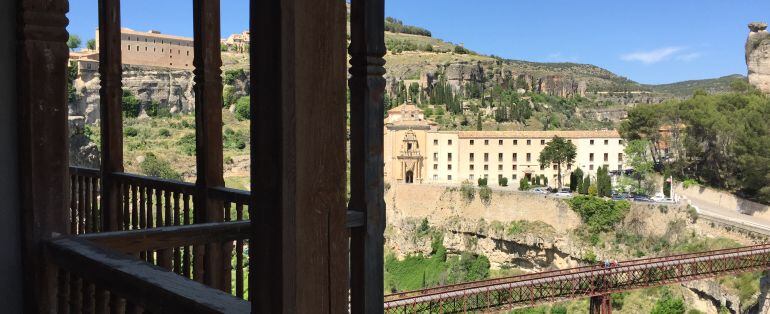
x=156, y=167
x=523, y=184
x=639, y=159
x=479, y=125
x=575, y=178
x=668, y=304
x=603, y=182
x=91, y=44
x=482, y=181
x=242, y=108
x=503, y=181
x=131, y=105
x=74, y=42
x=560, y=152
x=586, y=185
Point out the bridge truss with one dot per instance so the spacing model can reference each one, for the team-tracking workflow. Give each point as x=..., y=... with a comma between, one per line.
x=587, y=281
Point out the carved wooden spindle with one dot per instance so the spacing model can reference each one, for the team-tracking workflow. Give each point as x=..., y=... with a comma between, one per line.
x=367, y=85
x=110, y=102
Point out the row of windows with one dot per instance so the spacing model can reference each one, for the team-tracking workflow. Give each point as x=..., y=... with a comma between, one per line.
x=178, y=43
x=514, y=177
x=515, y=167
x=154, y=49
x=472, y=157
x=516, y=142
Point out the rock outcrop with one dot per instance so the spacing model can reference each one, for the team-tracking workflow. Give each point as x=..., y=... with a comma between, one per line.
x=758, y=56
x=710, y=290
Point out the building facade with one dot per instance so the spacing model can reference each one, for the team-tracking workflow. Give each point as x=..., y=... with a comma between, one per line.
x=417, y=152
x=238, y=42
x=149, y=48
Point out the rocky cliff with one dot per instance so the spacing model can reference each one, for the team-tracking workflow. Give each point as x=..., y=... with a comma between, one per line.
x=758, y=56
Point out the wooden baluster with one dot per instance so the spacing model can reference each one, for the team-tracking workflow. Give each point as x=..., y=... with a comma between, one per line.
x=165, y=255
x=239, y=280
x=143, y=215
x=81, y=205
x=117, y=304
x=133, y=308
x=126, y=204
x=134, y=207
x=95, y=206
x=89, y=303
x=149, y=221
x=88, y=210
x=118, y=213
x=227, y=256
x=76, y=295
x=158, y=208
x=187, y=249
x=64, y=291
x=177, y=250
x=102, y=300
x=73, y=204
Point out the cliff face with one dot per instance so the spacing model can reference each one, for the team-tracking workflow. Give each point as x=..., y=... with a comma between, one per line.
x=758, y=56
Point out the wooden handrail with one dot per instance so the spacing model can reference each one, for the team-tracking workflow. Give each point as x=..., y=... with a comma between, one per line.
x=85, y=172
x=148, y=286
x=156, y=183
x=134, y=241
x=230, y=195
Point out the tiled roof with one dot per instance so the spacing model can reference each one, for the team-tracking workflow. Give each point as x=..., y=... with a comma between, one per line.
x=539, y=134
x=156, y=35
x=405, y=107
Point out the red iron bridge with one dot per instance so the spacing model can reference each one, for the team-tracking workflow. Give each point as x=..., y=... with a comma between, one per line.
x=596, y=282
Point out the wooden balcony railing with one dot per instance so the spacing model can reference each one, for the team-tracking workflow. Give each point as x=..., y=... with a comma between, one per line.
x=84, y=205
x=100, y=272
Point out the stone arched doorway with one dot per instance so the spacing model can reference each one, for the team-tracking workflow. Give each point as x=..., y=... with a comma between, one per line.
x=409, y=177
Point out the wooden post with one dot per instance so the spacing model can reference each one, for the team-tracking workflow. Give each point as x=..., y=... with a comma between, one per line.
x=367, y=48
x=299, y=242
x=208, y=129
x=601, y=304
x=43, y=137
x=110, y=102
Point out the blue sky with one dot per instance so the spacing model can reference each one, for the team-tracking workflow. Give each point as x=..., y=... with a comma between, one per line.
x=648, y=41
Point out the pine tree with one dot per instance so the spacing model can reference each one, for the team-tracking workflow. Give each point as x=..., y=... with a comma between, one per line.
x=479, y=126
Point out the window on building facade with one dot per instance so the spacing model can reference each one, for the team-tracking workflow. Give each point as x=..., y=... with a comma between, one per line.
x=606, y=157
x=569, y=166
x=471, y=156
x=449, y=167
x=591, y=157
x=592, y=142
x=542, y=142
x=529, y=157
x=435, y=177
x=620, y=142
x=499, y=142
x=449, y=156
x=486, y=167
x=620, y=167
x=471, y=167
x=129, y=47
x=499, y=177
x=500, y=157
x=449, y=177
x=515, y=142
x=542, y=167
x=486, y=176
x=514, y=167
x=555, y=167
x=514, y=157
x=470, y=177
x=513, y=177
x=606, y=142
x=435, y=166
x=435, y=156
x=486, y=156
x=486, y=142
x=529, y=142
x=449, y=142
x=435, y=142
x=499, y=167
x=472, y=142
x=591, y=167
x=620, y=156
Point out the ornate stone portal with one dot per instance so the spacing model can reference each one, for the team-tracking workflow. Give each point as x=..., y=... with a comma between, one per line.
x=410, y=159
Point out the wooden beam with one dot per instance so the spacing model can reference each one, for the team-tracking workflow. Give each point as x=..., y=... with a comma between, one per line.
x=151, y=287
x=208, y=130
x=110, y=102
x=366, y=84
x=43, y=140
x=298, y=157
x=135, y=241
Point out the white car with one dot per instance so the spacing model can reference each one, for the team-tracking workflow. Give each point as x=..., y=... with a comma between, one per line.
x=563, y=193
x=539, y=190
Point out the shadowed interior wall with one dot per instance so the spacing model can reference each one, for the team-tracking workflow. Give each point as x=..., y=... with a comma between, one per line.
x=10, y=259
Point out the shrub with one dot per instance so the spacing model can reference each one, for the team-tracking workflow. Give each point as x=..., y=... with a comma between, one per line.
x=229, y=160
x=590, y=256
x=130, y=131
x=151, y=109
x=228, y=95
x=461, y=50
x=485, y=194
x=689, y=182
x=164, y=132
x=667, y=304
x=131, y=105
x=467, y=190
x=600, y=215
x=187, y=144
x=559, y=309
x=667, y=189
x=524, y=184
x=233, y=140
x=692, y=213
x=482, y=181
x=156, y=167
x=428, y=48
x=503, y=181
x=593, y=190
x=231, y=75
x=242, y=108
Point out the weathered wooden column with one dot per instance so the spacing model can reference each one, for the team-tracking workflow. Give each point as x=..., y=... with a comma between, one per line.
x=110, y=102
x=208, y=129
x=601, y=304
x=43, y=138
x=299, y=245
x=367, y=48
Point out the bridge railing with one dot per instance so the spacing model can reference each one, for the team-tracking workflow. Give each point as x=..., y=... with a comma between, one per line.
x=581, y=282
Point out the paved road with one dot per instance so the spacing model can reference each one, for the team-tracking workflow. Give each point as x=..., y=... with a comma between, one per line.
x=731, y=215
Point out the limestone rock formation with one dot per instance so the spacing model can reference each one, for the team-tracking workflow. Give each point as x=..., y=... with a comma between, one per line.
x=758, y=56
x=82, y=151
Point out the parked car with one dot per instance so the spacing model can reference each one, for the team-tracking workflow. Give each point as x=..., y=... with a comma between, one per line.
x=642, y=198
x=540, y=190
x=563, y=193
